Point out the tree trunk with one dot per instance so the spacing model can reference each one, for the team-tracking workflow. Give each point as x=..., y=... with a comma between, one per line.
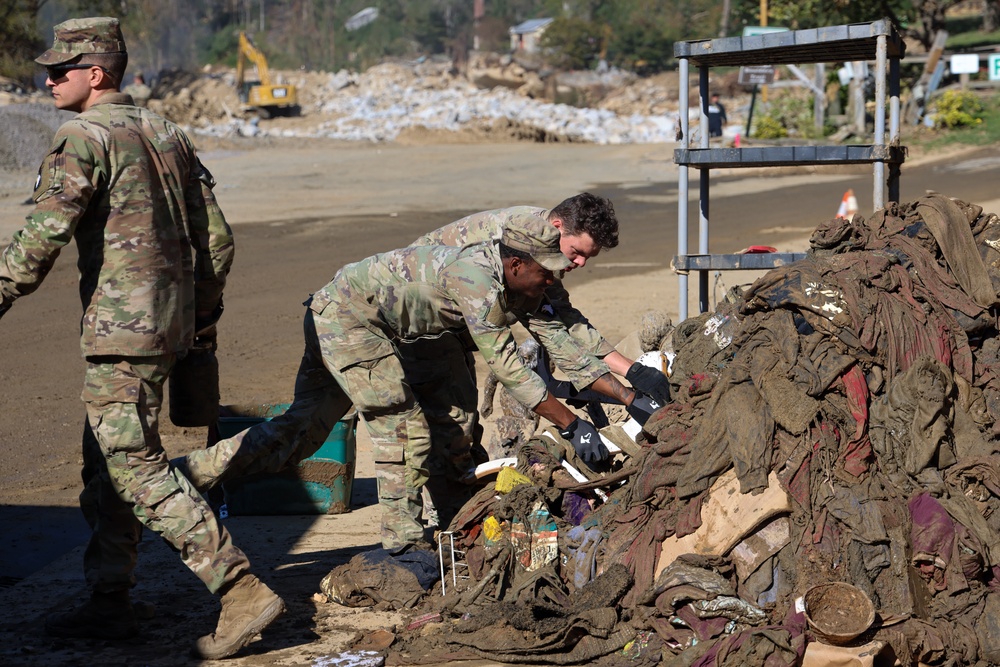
x=724, y=20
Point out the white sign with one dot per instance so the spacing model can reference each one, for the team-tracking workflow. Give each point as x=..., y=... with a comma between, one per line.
x=964, y=63
x=994, y=67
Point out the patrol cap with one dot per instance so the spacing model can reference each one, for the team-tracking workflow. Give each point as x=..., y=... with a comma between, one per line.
x=99, y=34
x=538, y=238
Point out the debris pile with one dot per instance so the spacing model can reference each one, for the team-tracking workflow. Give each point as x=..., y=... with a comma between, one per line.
x=824, y=483
x=392, y=98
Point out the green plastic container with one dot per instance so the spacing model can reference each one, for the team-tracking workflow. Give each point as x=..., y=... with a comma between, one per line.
x=320, y=484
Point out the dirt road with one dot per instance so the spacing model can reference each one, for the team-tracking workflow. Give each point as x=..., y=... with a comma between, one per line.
x=300, y=211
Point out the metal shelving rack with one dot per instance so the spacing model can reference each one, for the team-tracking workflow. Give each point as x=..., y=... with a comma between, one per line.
x=878, y=41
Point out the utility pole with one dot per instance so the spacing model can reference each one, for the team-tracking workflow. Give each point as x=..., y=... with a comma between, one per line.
x=763, y=23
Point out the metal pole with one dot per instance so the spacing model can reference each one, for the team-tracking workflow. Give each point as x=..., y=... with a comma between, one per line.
x=262, y=15
x=859, y=97
x=682, y=191
x=894, y=114
x=753, y=100
x=878, y=192
x=703, y=182
x=819, y=102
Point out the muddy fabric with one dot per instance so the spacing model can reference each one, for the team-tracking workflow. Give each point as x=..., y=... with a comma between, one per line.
x=914, y=419
x=950, y=228
x=397, y=581
x=583, y=628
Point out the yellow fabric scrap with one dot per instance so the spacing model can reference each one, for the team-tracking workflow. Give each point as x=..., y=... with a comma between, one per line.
x=492, y=531
x=508, y=478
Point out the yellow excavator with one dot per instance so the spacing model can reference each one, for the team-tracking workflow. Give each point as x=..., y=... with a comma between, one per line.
x=261, y=95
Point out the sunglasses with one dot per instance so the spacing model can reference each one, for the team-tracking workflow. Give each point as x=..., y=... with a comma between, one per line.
x=57, y=72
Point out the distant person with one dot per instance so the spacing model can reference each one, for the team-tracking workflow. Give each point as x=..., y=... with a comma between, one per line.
x=138, y=90
x=716, y=116
x=155, y=251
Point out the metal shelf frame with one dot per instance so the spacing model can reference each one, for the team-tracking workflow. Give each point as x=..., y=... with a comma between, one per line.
x=878, y=41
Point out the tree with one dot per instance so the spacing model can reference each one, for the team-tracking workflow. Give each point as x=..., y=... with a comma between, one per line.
x=21, y=39
x=574, y=43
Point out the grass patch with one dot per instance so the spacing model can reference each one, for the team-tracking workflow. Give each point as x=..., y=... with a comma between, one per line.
x=983, y=134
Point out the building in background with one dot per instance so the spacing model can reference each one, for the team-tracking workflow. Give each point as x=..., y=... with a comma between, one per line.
x=525, y=36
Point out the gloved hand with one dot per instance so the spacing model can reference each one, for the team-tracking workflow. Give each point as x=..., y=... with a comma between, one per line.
x=642, y=407
x=650, y=382
x=586, y=441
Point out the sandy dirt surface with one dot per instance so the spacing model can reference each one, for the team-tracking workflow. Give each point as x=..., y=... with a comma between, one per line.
x=300, y=211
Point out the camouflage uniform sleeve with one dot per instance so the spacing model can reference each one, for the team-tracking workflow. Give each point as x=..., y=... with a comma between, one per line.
x=484, y=311
x=579, y=364
x=211, y=240
x=576, y=323
x=67, y=179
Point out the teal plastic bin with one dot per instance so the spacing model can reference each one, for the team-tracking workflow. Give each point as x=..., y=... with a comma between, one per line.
x=320, y=484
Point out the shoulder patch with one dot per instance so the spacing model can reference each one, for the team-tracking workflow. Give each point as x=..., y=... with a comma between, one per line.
x=51, y=173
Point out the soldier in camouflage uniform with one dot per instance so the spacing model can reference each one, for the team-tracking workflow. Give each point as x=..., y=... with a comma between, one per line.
x=359, y=330
x=587, y=224
x=155, y=251
x=441, y=369
x=376, y=307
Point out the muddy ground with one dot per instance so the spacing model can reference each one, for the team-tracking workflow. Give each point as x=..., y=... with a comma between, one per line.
x=300, y=211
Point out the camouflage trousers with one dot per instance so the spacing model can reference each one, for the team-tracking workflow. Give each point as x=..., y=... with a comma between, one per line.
x=441, y=372
x=369, y=368
x=319, y=403
x=129, y=483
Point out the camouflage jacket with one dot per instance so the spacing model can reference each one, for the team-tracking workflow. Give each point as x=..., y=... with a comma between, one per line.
x=489, y=225
x=154, y=245
x=426, y=291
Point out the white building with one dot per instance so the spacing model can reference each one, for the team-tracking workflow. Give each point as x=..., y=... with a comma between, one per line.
x=525, y=36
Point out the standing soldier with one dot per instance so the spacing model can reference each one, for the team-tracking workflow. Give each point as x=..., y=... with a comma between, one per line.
x=139, y=91
x=155, y=251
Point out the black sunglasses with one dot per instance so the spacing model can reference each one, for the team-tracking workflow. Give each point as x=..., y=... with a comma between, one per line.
x=59, y=71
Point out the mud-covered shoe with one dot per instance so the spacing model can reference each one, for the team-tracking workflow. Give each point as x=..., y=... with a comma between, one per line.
x=103, y=616
x=248, y=607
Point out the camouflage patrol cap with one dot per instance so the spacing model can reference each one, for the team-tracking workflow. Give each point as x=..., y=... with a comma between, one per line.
x=538, y=238
x=99, y=34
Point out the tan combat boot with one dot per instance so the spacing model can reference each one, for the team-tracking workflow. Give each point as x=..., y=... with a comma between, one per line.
x=247, y=608
x=103, y=616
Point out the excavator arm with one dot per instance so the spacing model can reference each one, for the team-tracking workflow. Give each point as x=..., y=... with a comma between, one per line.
x=249, y=52
x=267, y=98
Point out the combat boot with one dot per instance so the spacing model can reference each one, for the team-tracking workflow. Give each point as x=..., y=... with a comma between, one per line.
x=104, y=616
x=248, y=606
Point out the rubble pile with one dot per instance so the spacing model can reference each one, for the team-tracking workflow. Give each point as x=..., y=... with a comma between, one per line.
x=386, y=100
x=823, y=487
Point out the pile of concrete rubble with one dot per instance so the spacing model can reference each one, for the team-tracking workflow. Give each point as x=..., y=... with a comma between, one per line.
x=389, y=99
x=824, y=487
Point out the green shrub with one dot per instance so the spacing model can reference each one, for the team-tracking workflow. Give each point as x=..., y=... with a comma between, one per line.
x=958, y=108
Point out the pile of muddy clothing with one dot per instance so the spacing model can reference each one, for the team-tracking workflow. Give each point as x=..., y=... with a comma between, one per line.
x=824, y=487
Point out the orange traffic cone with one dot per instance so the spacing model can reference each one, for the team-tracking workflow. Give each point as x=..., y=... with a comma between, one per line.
x=848, y=206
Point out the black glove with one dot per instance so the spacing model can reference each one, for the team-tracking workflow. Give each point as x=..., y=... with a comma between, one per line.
x=3, y=309
x=650, y=382
x=642, y=407
x=586, y=441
